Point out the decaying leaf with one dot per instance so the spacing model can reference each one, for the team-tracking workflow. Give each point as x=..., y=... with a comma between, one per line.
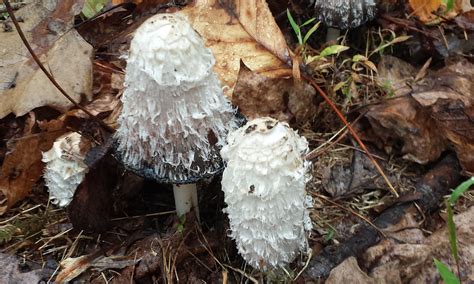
x=424, y=8
x=22, y=167
x=23, y=86
x=258, y=95
x=396, y=75
x=436, y=117
x=73, y=267
x=349, y=272
x=12, y=272
x=240, y=30
x=412, y=262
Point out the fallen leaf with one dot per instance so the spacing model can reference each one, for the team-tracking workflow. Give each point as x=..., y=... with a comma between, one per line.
x=395, y=75
x=74, y=266
x=240, y=30
x=466, y=20
x=257, y=95
x=23, y=86
x=349, y=272
x=412, y=261
x=22, y=167
x=438, y=116
x=424, y=9
x=11, y=271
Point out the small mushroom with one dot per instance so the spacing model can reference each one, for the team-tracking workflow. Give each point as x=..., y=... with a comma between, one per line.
x=264, y=186
x=344, y=14
x=65, y=168
x=175, y=116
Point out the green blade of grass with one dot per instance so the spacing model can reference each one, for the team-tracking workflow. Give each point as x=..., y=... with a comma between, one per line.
x=311, y=31
x=308, y=22
x=294, y=26
x=452, y=231
x=447, y=275
x=459, y=191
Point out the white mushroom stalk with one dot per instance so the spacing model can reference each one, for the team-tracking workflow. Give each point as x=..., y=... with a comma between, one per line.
x=65, y=168
x=264, y=186
x=175, y=117
x=344, y=14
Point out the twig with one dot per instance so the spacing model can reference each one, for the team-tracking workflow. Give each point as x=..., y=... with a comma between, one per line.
x=46, y=72
x=351, y=130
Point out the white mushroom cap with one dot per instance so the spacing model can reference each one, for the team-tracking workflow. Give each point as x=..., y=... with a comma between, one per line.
x=173, y=104
x=345, y=14
x=264, y=185
x=169, y=51
x=65, y=168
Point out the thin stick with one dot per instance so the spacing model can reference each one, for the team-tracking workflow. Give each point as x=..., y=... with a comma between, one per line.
x=351, y=130
x=46, y=72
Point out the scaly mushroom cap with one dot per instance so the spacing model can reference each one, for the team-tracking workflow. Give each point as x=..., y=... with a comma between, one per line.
x=175, y=116
x=264, y=186
x=65, y=168
x=345, y=14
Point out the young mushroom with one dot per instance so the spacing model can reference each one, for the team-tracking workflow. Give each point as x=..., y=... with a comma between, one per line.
x=175, y=117
x=344, y=14
x=264, y=186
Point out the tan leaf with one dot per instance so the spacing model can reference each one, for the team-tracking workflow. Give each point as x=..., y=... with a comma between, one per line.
x=424, y=9
x=23, y=86
x=240, y=30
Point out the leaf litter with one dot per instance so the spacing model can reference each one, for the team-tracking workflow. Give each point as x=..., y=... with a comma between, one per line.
x=411, y=113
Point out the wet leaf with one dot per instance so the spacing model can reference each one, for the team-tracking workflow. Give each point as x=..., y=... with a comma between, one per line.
x=257, y=95
x=436, y=117
x=424, y=8
x=22, y=167
x=240, y=30
x=60, y=48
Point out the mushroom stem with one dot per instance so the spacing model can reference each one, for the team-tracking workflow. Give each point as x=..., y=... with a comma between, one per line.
x=185, y=198
x=332, y=34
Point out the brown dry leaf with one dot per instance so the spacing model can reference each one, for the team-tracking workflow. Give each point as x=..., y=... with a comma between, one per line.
x=73, y=267
x=349, y=272
x=412, y=262
x=22, y=167
x=395, y=74
x=424, y=9
x=436, y=117
x=23, y=86
x=240, y=30
x=283, y=99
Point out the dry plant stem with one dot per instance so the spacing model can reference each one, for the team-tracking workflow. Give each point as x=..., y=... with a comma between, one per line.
x=352, y=131
x=185, y=198
x=41, y=66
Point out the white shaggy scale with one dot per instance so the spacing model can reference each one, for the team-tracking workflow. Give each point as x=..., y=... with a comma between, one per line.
x=264, y=186
x=345, y=14
x=65, y=168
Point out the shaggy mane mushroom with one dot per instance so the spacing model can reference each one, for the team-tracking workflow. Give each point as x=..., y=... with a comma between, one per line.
x=175, y=116
x=264, y=186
